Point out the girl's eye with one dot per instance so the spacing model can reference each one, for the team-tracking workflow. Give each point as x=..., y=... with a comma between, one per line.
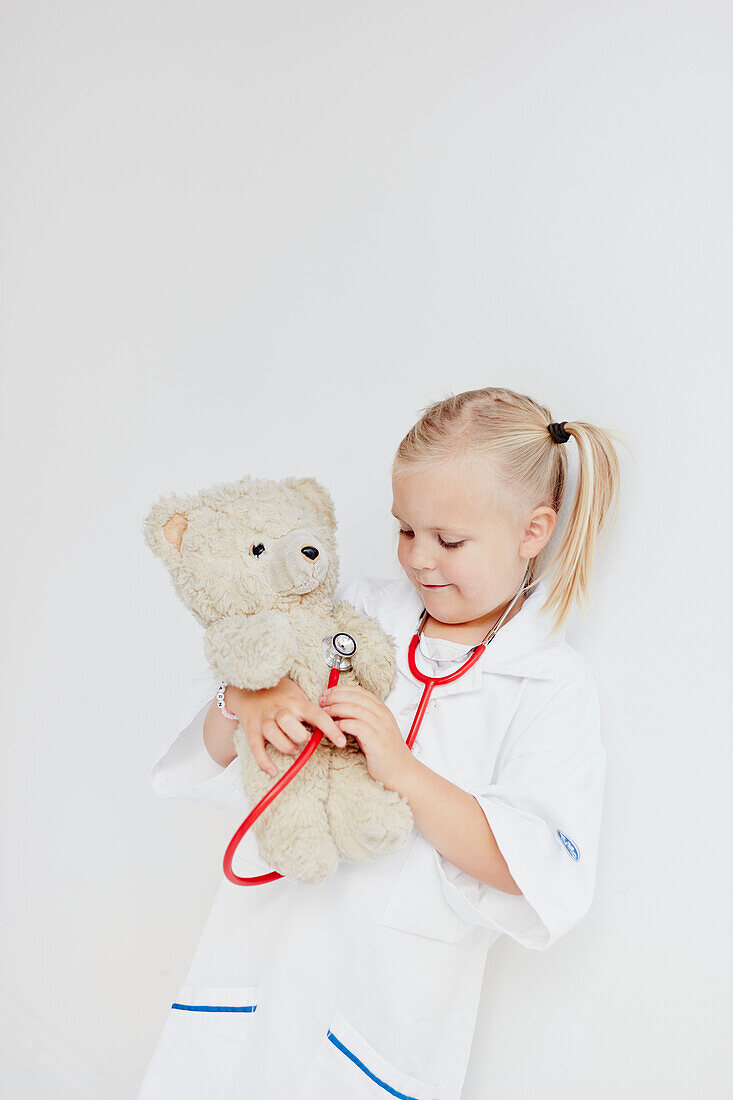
x=447, y=545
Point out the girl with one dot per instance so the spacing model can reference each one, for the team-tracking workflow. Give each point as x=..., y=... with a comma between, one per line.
x=368, y=985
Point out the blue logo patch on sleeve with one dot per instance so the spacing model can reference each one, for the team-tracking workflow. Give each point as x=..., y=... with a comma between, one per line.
x=570, y=848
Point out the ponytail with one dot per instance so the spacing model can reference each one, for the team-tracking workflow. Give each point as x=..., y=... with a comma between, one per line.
x=594, y=508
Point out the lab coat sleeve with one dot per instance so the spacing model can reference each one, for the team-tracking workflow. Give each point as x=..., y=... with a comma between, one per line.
x=185, y=770
x=549, y=787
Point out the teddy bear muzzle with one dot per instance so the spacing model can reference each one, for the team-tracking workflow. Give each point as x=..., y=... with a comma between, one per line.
x=297, y=562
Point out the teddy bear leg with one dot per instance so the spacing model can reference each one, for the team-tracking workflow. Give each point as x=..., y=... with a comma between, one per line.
x=293, y=833
x=366, y=818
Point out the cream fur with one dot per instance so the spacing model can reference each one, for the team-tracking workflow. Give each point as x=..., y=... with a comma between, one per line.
x=265, y=614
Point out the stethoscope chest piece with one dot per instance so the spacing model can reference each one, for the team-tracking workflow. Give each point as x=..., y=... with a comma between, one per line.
x=338, y=651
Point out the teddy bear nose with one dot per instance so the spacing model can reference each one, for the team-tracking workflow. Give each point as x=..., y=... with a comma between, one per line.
x=310, y=552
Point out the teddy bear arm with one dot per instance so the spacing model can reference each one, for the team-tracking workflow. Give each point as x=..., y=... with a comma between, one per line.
x=373, y=663
x=251, y=651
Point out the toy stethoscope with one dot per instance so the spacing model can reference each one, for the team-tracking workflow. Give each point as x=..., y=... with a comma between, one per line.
x=338, y=652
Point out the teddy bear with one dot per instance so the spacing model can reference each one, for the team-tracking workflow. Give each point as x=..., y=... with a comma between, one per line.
x=255, y=561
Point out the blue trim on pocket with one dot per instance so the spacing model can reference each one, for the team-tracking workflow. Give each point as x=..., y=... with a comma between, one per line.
x=345, y=1050
x=216, y=1008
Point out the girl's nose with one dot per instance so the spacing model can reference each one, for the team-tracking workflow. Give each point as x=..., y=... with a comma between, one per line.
x=419, y=560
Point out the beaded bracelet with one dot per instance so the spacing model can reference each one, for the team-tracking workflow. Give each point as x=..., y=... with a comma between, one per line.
x=220, y=701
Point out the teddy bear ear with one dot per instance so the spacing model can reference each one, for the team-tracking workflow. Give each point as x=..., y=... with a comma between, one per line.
x=317, y=494
x=164, y=526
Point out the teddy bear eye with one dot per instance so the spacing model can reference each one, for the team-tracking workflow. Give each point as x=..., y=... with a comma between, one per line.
x=258, y=549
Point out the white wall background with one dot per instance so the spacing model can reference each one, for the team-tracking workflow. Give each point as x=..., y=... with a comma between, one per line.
x=259, y=238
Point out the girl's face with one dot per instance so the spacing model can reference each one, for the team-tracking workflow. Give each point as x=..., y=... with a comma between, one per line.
x=465, y=561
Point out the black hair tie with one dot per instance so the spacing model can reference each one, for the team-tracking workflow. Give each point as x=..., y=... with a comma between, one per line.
x=557, y=431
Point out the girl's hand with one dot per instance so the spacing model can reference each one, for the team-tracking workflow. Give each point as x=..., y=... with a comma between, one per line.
x=360, y=713
x=276, y=715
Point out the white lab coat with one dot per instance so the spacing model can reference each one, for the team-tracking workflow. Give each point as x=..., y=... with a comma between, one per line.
x=368, y=985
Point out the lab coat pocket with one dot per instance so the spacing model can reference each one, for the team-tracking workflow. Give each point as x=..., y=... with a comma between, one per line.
x=202, y=1042
x=346, y=1065
x=417, y=902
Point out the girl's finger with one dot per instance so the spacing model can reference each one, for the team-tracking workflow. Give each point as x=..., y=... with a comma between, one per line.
x=351, y=710
x=290, y=725
x=257, y=748
x=322, y=721
x=353, y=726
x=350, y=691
x=346, y=704
x=272, y=733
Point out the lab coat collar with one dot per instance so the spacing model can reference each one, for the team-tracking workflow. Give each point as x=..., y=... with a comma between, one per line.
x=521, y=647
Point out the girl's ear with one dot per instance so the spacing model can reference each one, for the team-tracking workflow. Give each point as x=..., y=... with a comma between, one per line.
x=539, y=530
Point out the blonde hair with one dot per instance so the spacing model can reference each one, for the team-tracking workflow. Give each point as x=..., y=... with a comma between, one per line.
x=508, y=432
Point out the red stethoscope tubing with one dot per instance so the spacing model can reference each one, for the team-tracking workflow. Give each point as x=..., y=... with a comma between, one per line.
x=303, y=758
x=429, y=682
